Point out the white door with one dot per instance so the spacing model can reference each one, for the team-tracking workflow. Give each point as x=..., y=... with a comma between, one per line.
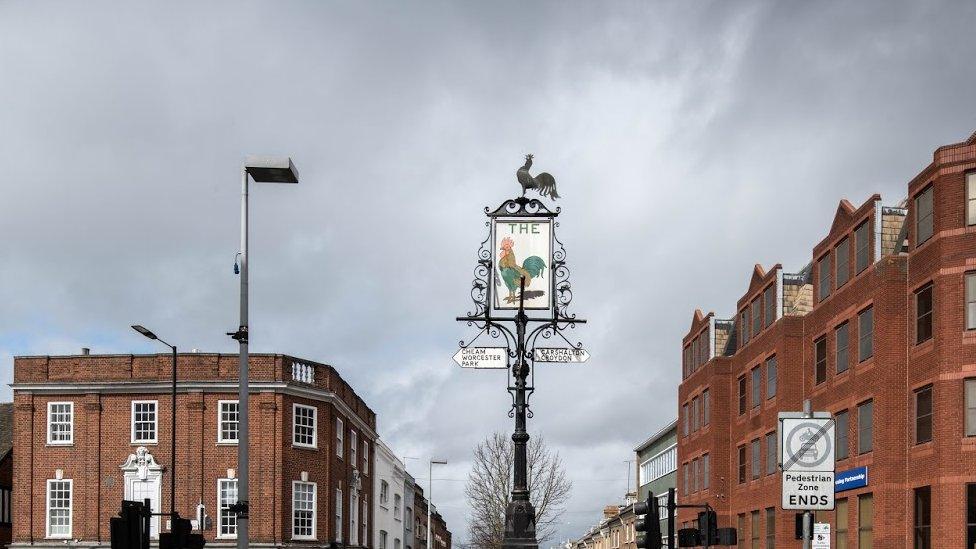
x=139, y=490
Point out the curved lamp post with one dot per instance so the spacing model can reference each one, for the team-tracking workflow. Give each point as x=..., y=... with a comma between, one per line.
x=172, y=477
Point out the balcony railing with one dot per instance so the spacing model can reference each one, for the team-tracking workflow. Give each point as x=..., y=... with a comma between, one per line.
x=302, y=372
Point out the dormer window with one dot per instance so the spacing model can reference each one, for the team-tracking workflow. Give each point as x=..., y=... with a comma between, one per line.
x=756, y=317
x=862, y=240
x=769, y=300
x=744, y=325
x=823, y=271
x=843, y=253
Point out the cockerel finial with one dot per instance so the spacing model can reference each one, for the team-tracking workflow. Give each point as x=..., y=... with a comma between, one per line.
x=544, y=183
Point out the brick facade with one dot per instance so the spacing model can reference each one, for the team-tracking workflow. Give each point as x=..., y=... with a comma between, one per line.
x=102, y=390
x=813, y=326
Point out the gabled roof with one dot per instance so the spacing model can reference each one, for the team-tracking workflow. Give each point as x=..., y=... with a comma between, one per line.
x=844, y=219
x=654, y=438
x=845, y=211
x=758, y=274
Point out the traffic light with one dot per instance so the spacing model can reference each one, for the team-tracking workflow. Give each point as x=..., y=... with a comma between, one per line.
x=130, y=530
x=650, y=525
x=708, y=526
x=727, y=536
x=180, y=536
x=689, y=537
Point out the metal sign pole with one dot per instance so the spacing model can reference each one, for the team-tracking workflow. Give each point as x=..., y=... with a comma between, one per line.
x=671, y=510
x=807, y=515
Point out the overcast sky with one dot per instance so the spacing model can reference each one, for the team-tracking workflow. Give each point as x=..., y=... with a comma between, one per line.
x=689, y=141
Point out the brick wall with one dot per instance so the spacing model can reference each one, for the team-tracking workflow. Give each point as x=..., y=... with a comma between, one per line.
x=103, y=388
x=890, y=377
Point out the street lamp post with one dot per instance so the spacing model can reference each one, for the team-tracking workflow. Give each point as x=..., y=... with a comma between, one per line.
x=263, y=169
x=172, y=447
x=430, y=493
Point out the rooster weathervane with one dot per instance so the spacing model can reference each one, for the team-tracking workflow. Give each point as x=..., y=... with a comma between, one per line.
x=544, y=183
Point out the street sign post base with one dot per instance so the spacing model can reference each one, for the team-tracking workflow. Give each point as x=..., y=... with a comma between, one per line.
x=520, y=526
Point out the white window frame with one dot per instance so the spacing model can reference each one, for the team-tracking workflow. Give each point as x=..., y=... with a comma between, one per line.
x=397, y=507
x=363, y=517
x=353, y=518
x=340, y=439
x=315, y=495
x=71, y=498
x=220, y=422
x=384, y=494
x=969, y=300
x=383, y=537
x=220, y=525
x=365, y=456
x=663, y=463
x=132, y=422
x=294, y=426
x=338, y=515
x=71, y=422
x=970, y=199
x=353, y=447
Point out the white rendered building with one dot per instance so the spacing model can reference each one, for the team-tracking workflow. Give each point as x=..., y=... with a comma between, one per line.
x=388, y=500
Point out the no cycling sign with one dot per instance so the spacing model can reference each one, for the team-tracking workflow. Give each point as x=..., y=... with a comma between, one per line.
x=807, y=459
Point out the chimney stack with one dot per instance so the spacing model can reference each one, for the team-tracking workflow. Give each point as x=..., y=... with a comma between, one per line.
x=85, y=350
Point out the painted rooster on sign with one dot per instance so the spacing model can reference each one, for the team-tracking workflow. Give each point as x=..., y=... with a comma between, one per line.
x=512, y=272
x=544, y=183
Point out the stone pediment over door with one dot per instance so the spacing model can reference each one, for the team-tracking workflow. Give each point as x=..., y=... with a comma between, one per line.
x=143, y=480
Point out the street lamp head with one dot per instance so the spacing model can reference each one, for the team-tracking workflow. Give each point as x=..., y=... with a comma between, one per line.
x=144, y=331
x=436, y=462
x=271, y=169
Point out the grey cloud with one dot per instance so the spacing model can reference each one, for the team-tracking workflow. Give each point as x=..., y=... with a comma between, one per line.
x=690, y=141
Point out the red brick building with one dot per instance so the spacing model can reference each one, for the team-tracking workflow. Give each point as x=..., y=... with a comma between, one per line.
x=442, y=536
x=880, y=330
x=6, y=472
x=92, y=430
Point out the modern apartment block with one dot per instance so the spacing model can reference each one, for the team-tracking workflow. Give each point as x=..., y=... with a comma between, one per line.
x=657, y=465
x=90, y=431
x=879, y=329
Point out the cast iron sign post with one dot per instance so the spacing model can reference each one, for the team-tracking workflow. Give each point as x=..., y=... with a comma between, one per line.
x=521, y=270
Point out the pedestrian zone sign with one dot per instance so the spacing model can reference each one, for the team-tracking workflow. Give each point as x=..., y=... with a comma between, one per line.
x=808, y=491
x=807, y=444
x=807, y=460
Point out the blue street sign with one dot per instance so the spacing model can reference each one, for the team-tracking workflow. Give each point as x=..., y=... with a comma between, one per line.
x=851, y=479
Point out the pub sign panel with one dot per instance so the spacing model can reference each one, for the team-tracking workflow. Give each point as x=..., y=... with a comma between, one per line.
x=523, y=249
